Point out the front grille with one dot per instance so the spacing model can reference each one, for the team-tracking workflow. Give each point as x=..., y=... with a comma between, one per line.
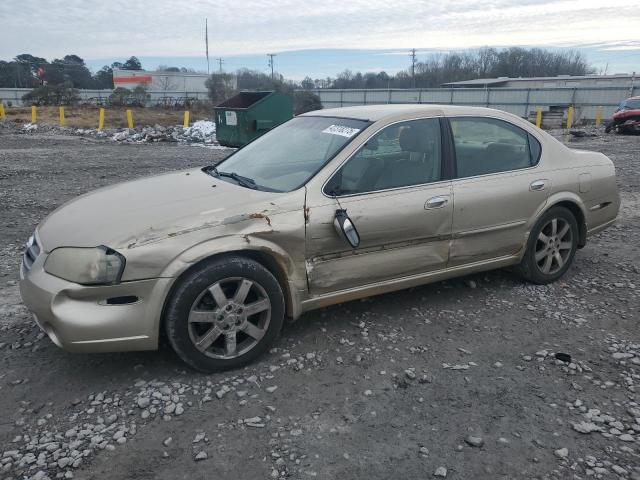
x=31, y=253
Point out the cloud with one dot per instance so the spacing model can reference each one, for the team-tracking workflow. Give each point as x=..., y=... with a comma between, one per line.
x=119, y=28
x=622, y=46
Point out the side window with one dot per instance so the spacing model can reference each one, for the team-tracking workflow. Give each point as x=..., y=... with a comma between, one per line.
x=400, y=155
x=487, y=145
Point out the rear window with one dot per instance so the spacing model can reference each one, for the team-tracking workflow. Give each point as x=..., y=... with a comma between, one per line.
x=631, y=104
x=488, y=145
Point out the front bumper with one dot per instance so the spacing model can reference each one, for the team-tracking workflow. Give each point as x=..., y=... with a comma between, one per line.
x=78, y=318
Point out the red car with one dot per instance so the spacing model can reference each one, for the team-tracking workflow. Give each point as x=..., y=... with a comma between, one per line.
x=626, y=118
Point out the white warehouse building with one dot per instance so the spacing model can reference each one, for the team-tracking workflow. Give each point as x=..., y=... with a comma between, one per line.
x=162, y=83
x=568, y=81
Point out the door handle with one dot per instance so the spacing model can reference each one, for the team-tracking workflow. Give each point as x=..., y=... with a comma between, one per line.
x=538, y=185
x=436, y=202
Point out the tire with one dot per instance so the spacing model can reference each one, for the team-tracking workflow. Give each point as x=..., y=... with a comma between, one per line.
x=227, y=298
x=541, y=262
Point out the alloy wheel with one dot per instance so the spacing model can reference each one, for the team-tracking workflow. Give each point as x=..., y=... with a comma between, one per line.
x=229, y=318
x=553, y=246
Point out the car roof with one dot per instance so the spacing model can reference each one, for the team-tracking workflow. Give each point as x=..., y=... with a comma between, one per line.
x=374, y=113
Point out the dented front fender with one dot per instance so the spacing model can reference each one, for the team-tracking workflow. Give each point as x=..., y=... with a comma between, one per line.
x=275, y=230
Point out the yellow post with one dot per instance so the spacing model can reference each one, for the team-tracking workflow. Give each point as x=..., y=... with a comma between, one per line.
x=34, y=114
x=186, y=119
x=570, y=117
x=101, y=119
x=539, y=118
x=599, y=116
x=129, y=119
x=2, y=114
x=61, y=113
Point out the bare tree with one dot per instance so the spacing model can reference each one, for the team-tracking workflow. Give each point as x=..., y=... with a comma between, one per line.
x=165, y=83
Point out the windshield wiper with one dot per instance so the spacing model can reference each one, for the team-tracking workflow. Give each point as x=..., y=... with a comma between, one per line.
x=243, y=181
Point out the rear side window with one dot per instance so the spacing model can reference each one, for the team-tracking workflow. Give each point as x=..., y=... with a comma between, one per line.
x=535, y=149
x=487, y=145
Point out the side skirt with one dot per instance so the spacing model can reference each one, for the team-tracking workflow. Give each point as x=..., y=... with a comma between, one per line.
x=406, y=282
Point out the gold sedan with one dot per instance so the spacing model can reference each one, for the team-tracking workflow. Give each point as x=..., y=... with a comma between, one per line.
x=331, y=206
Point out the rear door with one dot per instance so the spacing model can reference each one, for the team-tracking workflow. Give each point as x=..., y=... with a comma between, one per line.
x=498, y=188
x=393, y=190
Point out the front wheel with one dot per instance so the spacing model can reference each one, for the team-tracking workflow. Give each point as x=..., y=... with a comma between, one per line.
x=224, y=314
x=553, y=242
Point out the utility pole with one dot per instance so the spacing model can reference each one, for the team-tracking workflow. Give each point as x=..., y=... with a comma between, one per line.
x=413, y=67
x=271, y=55
x=220, y=62
x=206, y=43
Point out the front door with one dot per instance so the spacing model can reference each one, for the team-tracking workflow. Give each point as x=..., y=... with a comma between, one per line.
x=498, y=189
x=392, y=189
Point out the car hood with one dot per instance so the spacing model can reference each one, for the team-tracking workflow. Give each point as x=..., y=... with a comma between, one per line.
x=127, y=214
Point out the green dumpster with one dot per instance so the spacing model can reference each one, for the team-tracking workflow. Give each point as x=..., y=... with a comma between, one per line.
x=248, y=115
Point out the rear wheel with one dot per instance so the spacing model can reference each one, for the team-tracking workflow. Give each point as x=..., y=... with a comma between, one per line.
x=224, y=314
x=552, y=245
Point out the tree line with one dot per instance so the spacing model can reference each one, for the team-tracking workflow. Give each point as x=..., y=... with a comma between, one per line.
x=486, y=62
x=29, y=71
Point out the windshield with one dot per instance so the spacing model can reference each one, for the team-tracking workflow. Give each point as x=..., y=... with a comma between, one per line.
x=630, y=104
x=284, y=158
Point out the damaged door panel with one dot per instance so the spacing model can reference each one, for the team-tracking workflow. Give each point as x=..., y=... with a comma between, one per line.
x=399, y=237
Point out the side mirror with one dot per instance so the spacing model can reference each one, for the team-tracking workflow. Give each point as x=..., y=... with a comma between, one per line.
x=344, y=226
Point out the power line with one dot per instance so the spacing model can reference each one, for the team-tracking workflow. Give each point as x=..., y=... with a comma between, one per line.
x=271, y=55
x=220, y=62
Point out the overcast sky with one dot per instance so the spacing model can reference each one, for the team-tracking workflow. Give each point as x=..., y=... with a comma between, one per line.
x=159, y=29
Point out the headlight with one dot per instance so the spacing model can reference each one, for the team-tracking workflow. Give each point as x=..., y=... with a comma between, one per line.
x=87, y=266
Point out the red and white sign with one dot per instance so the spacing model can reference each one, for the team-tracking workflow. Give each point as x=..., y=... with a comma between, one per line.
x=132, y=79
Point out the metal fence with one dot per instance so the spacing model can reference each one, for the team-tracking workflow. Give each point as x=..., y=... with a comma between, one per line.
x=519, y=101
x=13, y=96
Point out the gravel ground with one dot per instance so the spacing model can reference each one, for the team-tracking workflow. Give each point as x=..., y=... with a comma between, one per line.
x=458, y=379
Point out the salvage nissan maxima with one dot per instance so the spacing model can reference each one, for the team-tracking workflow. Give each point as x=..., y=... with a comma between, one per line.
x=331, y=206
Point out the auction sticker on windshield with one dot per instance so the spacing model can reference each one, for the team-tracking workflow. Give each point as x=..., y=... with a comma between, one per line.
x=341, y=130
